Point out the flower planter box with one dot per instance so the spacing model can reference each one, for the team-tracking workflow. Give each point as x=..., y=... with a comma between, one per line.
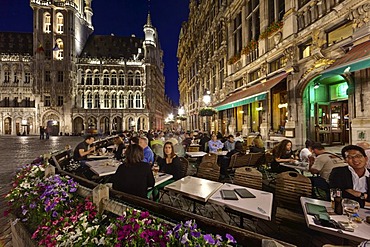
x=20, y=235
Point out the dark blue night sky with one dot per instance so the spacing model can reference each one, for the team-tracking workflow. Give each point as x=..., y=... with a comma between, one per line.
x=122, y=18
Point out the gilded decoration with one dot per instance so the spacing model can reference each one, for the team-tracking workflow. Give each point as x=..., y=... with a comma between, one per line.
x=360, y=16
x=317, y=64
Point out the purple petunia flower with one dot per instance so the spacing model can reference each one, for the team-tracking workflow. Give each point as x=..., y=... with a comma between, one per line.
x=54, y=214
x=195, y=234
x=209, y=239
x=73, y=190
x=109, y=230
x=184, y=238
x=230, y=238
x=32, y=205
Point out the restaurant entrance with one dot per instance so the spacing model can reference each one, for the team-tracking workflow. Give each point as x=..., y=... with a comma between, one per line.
x=326, y=104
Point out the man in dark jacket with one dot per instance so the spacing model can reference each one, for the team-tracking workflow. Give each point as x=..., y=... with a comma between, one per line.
x=354, y=179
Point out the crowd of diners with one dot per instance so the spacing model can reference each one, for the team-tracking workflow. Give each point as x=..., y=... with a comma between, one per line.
x=348, y=171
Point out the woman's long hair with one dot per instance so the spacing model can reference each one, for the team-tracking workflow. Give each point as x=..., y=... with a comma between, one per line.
x=134, y=154
x=257, y=141
x=280, y=149
x=172, y=154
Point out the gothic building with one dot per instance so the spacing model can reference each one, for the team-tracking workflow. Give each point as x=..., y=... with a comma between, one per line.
x=63, y=77
x=285, y=69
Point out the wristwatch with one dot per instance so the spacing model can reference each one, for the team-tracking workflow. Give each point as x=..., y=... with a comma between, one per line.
x=362, y=196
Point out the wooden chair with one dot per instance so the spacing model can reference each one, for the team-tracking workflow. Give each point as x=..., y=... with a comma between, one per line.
x=290, y=186
x=179, y=150
x=184, y=166
x=209, y=170
x=248, y=177
x=210, y=157
x=62, y=158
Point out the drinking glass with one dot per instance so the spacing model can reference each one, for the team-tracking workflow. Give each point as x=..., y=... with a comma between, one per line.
x=350, y=207
x=155, y=169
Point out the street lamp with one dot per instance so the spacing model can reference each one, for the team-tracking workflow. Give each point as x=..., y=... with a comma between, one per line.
x=206, y=100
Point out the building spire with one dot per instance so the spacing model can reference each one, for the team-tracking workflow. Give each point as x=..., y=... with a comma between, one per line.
x=149, y=20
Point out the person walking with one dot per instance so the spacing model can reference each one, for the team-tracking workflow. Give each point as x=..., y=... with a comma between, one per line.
x=42, y=132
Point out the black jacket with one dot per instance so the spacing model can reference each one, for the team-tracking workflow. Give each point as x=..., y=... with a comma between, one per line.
x=341, y=177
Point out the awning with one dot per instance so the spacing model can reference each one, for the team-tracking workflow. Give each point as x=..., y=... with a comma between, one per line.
x=249, y=95
x=357, y=58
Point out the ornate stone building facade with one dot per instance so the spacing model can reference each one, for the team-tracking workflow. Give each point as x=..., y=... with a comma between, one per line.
x=70, y=81
x=285, y=69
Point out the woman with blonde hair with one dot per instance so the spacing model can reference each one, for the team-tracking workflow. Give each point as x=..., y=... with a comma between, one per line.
x=257, y=145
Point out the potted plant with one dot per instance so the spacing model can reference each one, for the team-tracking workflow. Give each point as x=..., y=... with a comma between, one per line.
x=251, y=45
x=207, y=111
x=274, y=27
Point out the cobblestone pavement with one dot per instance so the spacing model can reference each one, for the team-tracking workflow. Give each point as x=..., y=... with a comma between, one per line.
x=16, y=151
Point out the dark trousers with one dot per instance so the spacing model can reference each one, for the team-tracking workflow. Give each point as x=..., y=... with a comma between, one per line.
x=320, y=183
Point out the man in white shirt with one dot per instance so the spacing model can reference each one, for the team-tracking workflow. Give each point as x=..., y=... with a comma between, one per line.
x=354, y=179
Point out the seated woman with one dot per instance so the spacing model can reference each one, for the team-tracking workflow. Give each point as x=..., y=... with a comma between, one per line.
x=257, y=145
x=119, y=147
x=169, y=164
x=282, y=153
x=134, y=176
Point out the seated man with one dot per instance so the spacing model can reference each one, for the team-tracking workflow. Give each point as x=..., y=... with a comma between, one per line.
x=354, y=179
x=323, y=165
x=148, y=153
x=214, y=145
x=230, y=143
x=83, y=149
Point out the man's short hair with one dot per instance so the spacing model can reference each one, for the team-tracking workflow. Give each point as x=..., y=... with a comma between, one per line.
x=88, y=137
x=144, y=139
x=230, y=136
x=318, y=146
x=352, y=147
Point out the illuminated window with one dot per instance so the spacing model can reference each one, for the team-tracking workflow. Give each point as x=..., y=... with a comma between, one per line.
x=89, y=78
x=105, y=78
x=89, y=100
x=27, y=77
x=59, y=51
x=47, y=101
x=96, y=77
x=114, y=101
x=97, y=101
x=113, y=78
x=121, y=78
x=6, y=76
x=106, y=100
x=130, y=101
x=138, y=100
x=305, y=49
x=60, y=23
x=339, y=33
x=137, y=79
x=121, y=102
x=47, y=23
x=130, y=78
x=60, y=101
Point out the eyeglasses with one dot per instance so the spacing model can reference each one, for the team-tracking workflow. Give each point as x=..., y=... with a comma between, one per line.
x=356, y=156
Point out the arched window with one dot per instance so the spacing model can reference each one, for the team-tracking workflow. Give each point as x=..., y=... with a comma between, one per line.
x=121, y=78
x=89, y=100
x=60, y=23
x=82, y=78
x=47, y=23
x=138, y=100
x=130, y=78
x=97, y=101
x=130, y=100
x=59, y=51
x=137, y=79
x=121, y=102
x=96, y=77
x=105, y=78
x=114, y=101
x=113, y=78
x=88, y=77
x=106, y=100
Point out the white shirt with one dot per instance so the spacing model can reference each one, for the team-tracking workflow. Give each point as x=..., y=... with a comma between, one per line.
x=359, y=183
x=239, y=139
x=304, y=154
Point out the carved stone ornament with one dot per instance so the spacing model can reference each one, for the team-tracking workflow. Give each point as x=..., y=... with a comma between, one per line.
x=277, y=37
x=318, y=38
x=263, y=69
x=360, y=16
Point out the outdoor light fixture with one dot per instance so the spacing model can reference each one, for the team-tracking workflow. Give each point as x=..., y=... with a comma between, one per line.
x=259, y=108
x=132, y=123
x=316, y=85
x=285, y=105
x=24, y=122
x=207, y=97
x=181, y=111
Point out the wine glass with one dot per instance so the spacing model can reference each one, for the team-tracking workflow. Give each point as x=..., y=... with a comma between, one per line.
x=350, y=207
